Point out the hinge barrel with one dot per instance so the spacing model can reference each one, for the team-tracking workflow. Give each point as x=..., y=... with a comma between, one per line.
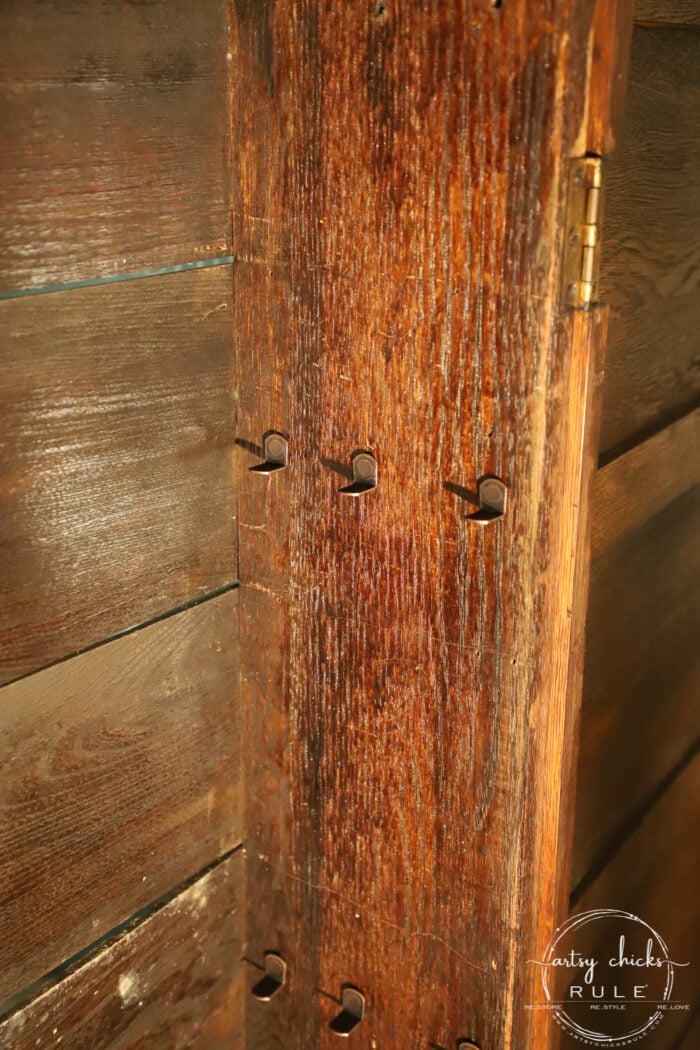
x=584, y=216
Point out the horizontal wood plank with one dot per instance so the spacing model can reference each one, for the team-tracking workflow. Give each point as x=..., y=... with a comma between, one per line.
x=678, y=12
x=641, y=693
x=652, y=875
x=120, y=779
x=115, y=476
x=174, y=980
x=114, y=144
x=643, y=481
x=651, y=243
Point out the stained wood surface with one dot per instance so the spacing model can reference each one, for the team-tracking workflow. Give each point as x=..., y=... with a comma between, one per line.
x=409, y=693
x=121, y=777
x=641, y=710
x=114, y=142
x=651, y=242
x=174, y=981
x=606, y=76
x=643, y=481
x=680, y=12
x=651, y=876
x=691, y=1036
x=115, y=476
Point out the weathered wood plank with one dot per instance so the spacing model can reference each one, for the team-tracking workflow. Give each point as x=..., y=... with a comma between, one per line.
x=408, y=691
x=640, y=483
x=174, y=980
x=642, y=674
x=121, y=777
x=115, y=132
x=678, y=12
x=115, y=477
x=651, y=876
x=651, y=243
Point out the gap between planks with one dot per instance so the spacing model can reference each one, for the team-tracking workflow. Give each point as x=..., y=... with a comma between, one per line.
x=191, y=603
x=25, y=996
x=135, y=275
x=640, y=483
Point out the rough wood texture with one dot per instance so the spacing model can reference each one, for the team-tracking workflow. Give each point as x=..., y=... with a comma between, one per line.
x=652, y=876
x=115, y=472
x=172, y=982
x=115, y=132
x=639, y=484
x=680, y=12
x=642, y=677
x=410, y=701
x=651, y=243
x=121, y=777
x=606, y=76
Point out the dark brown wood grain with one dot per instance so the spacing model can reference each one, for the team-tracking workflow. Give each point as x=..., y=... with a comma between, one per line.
x=651, y=876
x=114, y=137
x=643, y=481
x=651, y=242
x=172, y=982
x=115, y=468
x=679, y=12
x=691, y=1034
x=640, y=711
x=121, y=778
x=410, y=695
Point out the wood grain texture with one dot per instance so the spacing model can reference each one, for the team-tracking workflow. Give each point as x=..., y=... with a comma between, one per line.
x=115, y=474
x=115, y=132
x=606, y=79
x=640, y=483
x=172, y=982
x=651, y=243
x=651, y=876
x=409, y=694
x=678, y=12
x=121, y=777
x=641, y=707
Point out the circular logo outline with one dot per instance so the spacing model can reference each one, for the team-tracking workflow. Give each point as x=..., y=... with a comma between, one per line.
x=562, y=1017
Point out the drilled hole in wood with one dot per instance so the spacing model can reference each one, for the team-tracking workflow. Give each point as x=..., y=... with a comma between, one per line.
x=495, y=4
x=379, y=11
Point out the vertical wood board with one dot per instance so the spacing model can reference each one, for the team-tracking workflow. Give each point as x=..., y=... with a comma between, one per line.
x=410, y=699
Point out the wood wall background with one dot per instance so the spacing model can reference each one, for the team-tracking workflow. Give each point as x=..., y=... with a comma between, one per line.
x=120, y=800
x=637, y=812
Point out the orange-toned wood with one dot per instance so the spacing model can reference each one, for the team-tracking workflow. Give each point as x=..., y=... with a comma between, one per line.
x=411, y=684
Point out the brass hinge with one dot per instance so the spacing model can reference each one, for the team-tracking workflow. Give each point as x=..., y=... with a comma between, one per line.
x=583, y=222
